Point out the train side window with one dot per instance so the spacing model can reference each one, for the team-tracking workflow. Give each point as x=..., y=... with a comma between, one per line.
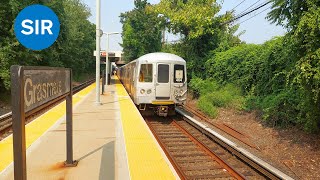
x=145, y=74
x=179, y=76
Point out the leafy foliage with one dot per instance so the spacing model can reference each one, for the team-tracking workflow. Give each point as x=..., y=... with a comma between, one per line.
x=213, y=95
x=200, y=27
x=267, y=75
x=201, y=87
x=280, y=77
x=302, y=21
x=72, y=49
x=141, y=31
x=289, y=13
x=207, y=107
x=192, y=18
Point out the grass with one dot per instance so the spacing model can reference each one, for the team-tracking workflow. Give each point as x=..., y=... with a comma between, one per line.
x=207, y=107
x=214, y=96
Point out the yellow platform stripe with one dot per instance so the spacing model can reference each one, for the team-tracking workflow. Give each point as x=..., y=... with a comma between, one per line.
x=36, y=128
x=145, y=160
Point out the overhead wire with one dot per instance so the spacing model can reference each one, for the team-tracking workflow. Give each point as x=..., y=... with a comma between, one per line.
x=249, y=7
x=238, y=5
x=254, y=15
x=246, y=13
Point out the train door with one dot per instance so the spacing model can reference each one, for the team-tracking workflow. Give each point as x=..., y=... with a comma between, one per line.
x=133, y=80
x=163, y=81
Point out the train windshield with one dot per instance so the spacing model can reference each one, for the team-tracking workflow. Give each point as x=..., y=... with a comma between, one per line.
x=145, y=74
x=179, y=76
x=163, y=73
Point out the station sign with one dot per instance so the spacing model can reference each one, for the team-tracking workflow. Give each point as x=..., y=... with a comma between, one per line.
x=33, y=88
x=103, y=54
x=44, y=85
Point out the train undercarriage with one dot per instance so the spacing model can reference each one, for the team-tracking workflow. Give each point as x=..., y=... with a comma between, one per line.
x=160, y=110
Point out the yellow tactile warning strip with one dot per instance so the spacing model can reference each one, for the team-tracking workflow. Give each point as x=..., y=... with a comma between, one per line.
x=36, y=128
x=145, y=160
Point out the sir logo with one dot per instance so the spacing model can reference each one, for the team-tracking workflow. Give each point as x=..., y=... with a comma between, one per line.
x=37, y=27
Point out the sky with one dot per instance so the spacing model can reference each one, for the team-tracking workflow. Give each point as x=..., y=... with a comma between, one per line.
x=257, y=29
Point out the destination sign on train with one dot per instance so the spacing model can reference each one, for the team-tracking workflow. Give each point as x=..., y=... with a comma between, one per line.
x=41, y=86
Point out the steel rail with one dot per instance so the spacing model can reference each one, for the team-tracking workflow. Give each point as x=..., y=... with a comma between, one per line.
x=6, y=119
x=255, y=162
x=209, y=152
x=221, y=165
x=227, y=129
x=166, y=151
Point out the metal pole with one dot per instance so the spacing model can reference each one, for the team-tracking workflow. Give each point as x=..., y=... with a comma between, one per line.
x=18, y=123
x=107, y=59
x=103, y=81
x=69, y=121
x=110, y=68
x=98, y=34
x=163, y=35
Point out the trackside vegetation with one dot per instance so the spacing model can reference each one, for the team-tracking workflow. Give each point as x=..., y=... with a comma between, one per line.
x=141, y=31
x=73, y=48
x=213, y=95
x=263, y=75
x=280, y=78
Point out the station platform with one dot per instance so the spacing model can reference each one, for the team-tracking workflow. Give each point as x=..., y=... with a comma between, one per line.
x=111, y=141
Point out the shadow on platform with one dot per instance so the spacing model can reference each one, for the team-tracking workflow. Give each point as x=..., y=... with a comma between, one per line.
x=107, y=166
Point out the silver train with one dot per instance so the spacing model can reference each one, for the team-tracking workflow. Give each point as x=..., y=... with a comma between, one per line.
x=156, y=82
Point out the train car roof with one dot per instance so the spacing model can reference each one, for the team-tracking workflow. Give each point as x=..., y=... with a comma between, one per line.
x=160, y=56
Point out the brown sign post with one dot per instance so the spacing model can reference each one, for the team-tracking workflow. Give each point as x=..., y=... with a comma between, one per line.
x=33, y=88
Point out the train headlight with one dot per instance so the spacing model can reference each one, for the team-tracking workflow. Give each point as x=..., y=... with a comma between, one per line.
x=149, y=91
x=142, y=91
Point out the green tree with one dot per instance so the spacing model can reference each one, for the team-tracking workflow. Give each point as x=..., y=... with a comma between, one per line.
x=302, y=18
x=191, y=18
x=72, y=49
x=141, y=31
x=201, y=28
x=262, y=73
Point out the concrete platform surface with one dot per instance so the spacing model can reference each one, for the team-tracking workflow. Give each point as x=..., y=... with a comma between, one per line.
x=98, y=144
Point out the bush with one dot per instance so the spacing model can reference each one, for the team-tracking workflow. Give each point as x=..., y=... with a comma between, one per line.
x=212, y=96
x=202, y=87
x=271, y=77
x=207, y=107
x=250, y=102
x=280, y=108
x=236, y=100
x=196, y=84
x=219, y=99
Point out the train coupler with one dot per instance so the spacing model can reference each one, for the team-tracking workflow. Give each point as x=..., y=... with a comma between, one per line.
x=142, y=107
x=162, y=111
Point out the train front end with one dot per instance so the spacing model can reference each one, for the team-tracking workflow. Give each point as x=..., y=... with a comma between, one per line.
x=162, y=83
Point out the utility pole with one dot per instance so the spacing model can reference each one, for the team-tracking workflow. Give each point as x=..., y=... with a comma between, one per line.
x=98, y=35
x=164, y=36
x=107, y=59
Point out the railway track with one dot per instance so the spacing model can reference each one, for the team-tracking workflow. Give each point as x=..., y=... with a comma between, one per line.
x=244, y=138
x=6, y=119
x=199, y=153
x=194, y=155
